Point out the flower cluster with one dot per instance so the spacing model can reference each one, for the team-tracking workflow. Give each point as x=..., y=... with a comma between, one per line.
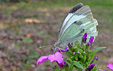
x=78, y=56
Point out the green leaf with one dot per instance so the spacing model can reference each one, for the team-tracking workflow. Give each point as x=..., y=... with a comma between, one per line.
x=94, y=52
x=55, y=69
x=27, y=40
x=77, y=64
x=33, y=55
x=66, y=67
x=69, y=60
x=84, y=57
x=71, y=66
x=62, y=70
x=97, y=49
x=69, y=53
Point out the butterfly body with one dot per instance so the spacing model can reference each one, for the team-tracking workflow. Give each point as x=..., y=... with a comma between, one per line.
x=78, y=21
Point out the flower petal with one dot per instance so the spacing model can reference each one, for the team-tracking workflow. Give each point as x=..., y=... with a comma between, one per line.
x=85, y=36
x=51, y=57
x=66, y=48
x=63, y=50
x=65, y=63
x=110, y=66
x=61, y=65
x=97, y=58
x=58, y=57
x=69, y=44
x=90, y=67
x=91, y=40
x=42, y=59
x=88, y=43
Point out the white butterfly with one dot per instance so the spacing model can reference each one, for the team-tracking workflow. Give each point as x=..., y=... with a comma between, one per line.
x=78, y=21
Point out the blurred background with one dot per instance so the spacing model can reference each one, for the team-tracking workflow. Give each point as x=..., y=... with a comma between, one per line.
x=27, y=24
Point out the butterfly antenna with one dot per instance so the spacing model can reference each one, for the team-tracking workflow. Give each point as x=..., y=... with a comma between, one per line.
x=46, y=46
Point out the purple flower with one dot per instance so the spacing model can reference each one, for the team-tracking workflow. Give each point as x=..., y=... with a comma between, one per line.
x=69, y=44
x=85, y=36
x=78, y=52
x=97, y=58
x=58, y=50
x=61, y=50
x=66, y=48
x=73, y=52
x=56, y=57
x=89, y=51
x=94, y=59
x=90, y=40
x=90, y=67
x=54, y=67
x=110, y=66
x=75, y=47
x=52, y=57
x=61, y=65
x=65, y=63
x=88, y=43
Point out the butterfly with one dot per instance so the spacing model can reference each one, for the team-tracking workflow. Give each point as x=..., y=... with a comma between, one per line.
x=78, y=21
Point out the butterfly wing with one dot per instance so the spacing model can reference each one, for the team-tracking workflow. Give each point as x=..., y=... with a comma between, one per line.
x=68, y=17
x=79, y=23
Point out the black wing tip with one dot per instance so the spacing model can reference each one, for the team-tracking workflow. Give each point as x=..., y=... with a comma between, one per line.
x=76, y=7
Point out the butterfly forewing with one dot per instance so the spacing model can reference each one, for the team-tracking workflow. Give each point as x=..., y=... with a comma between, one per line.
x=70, y=14
x=74, y=27
x=83, y=12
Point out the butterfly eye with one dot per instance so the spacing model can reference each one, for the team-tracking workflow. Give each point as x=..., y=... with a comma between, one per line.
x=78, y=23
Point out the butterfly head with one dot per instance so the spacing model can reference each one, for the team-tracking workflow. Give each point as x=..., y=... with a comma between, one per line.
x=59, y=45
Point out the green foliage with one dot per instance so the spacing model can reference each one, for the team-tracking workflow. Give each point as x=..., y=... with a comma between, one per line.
x=27, y=65
x=33, y=55
x=77, y=64
x=97, y=49
x=56, y=69
x=2, y=47
x=71, y=66
x=27, y=40
x=94, y=52
x=82, y=57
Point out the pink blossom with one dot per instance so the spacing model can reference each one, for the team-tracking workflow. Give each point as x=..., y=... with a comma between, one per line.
x=52, y=57
x=110, y=66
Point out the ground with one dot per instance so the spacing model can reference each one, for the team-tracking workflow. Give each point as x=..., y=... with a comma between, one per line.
x=25, y=26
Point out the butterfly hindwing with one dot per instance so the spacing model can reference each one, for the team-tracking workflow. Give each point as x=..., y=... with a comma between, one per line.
x=75, y=32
